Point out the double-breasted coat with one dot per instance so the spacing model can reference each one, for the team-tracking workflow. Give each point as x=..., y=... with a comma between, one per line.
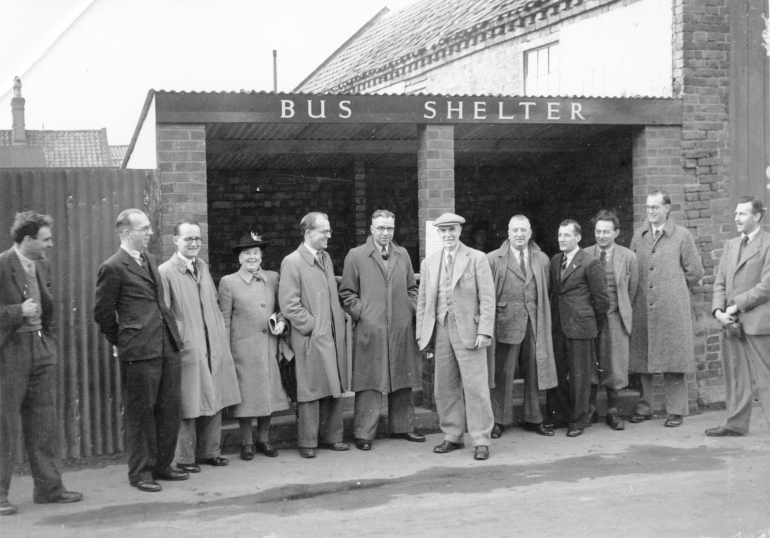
x=661, y=336
x=247, y=302
x=209, y=383
x=382, y=303
x=309, y=301
x=511, y=319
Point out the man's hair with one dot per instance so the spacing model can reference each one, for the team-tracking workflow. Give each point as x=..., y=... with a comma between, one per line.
x=383, y=213
x=124, y=219
x=664, y=194
x=609, y=216
x=308, y=221
x=28, y=223
x=518, y=217
x=567, y=222
x=756, y=206
x=184, y=221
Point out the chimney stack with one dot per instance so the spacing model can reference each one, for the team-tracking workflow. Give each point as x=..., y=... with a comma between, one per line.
x=17, y=110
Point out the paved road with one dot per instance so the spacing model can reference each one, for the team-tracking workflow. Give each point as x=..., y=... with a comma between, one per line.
x=648, y=481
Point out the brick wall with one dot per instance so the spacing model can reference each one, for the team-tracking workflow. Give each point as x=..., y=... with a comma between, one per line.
x=182, y=165
x=701, y=67
x=284, y=197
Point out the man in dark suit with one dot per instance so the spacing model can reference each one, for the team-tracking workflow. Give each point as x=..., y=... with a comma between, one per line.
x=579, y=305
x=742, y=293
x=28, y=362
x=132, y=314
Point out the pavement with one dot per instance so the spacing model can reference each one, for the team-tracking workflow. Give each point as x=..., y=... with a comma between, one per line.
x=646, y=481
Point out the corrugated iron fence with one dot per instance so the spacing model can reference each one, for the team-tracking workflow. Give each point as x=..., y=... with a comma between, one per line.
x=84, y=204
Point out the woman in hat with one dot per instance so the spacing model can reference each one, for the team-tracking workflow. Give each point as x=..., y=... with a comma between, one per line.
x=248, y=299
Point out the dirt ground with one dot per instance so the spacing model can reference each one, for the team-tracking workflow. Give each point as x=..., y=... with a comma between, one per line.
x=647, y=481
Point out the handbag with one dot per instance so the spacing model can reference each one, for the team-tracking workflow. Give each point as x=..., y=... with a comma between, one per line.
x=733, y=330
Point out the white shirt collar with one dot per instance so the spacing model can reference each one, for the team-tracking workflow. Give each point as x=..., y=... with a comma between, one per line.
x=135, y=254
x=752, y=235
x=609, y=251
x=24, y=260
x=516, y=253
x=571, y=255
x=452, y=252
x=188, y=262
x=313, y=251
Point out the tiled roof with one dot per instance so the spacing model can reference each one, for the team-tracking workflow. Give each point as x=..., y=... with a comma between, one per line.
x=69, y=149
x=423, y=29
x=118, y=152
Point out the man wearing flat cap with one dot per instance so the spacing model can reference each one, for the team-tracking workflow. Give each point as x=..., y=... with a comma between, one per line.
x=456, y=317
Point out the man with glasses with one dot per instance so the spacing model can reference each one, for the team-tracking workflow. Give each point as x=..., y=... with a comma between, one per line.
x=456, y=318
x=379, y=291
x=661, y=336
x=209, y=382
x=308, y=297
x=131, y=312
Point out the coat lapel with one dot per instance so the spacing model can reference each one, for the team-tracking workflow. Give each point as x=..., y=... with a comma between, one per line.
x=19, y=274
x=461, y=262
x=134, y=267
x=750, y=251
x=374, y=253
x=618, y=263
x=577, y=259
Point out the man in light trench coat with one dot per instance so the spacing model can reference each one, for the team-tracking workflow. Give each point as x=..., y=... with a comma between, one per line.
x=209, y=383
x=309, y=300
x=379, y=291
x=622, y=273
x=661, y=336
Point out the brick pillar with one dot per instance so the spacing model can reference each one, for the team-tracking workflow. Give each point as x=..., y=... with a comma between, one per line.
x=359, y=190
x=436, y=195
x=182, y=165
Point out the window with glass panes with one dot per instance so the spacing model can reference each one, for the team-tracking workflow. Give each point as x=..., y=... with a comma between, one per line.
x=541, y=70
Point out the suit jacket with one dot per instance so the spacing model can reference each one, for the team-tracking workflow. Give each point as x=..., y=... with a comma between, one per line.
x=579, y=299
x=626, y=272
x=130, y=308
x=473, y=296
x=745, y=282
x=13, y=282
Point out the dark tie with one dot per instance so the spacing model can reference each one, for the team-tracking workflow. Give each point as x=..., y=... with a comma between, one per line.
x=449, y=265
x=522, y=264
x=144, y=262
x=603, y=258
x=655, y=236
x=563, y=264
x=744, y=243
x=385, y=254
x=195, y=269
x=320, y=257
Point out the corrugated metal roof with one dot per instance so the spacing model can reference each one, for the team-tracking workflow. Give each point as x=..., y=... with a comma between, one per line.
x=425, y=31
x=68, y=149
x=22, y=157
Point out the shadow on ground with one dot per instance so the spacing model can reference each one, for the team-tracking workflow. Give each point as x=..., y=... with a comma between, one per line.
x=353, y=495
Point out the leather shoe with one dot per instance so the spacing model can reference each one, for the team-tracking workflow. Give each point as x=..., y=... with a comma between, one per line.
x=147, y=485
x=556, y=425
x=363, y=444
x=169, y=474
x=574, y=432
x=541, y=429
x=673, y=421
x=337, y=447
x=267, y=449
x=247, y=452
x=8, y=509
x=638, y=418
x=593, y=416
x=189, y=467
x=723, y=432
x=482, y=453
x=62, y=498
x=497, y=431
x=216, y=462
x=614, y=422
x=307, y=452
x=448, y=446
x=409, y=436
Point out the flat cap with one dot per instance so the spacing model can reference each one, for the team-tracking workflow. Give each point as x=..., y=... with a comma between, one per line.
x=448, y=219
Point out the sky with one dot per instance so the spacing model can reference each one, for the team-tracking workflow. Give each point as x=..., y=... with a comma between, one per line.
x=88, y=64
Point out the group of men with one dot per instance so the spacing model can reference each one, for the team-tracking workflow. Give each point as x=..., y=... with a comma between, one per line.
x=573, y=324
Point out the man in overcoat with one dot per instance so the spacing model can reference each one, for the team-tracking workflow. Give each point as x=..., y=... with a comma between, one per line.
x=209, y=382
x=456, y=317
x=28, y=363
x=132, y=314
x=307, y=294
x=662, y=334
x=522, y=328
x=622, y=274
x=742, y=293
x=379, y=291
x=579, y=305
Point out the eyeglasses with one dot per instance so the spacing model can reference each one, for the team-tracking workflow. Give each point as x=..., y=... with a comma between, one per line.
x=146, y=229
x=191, y=240
x=324, y=232
x=383, y=229
x=653, y=208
